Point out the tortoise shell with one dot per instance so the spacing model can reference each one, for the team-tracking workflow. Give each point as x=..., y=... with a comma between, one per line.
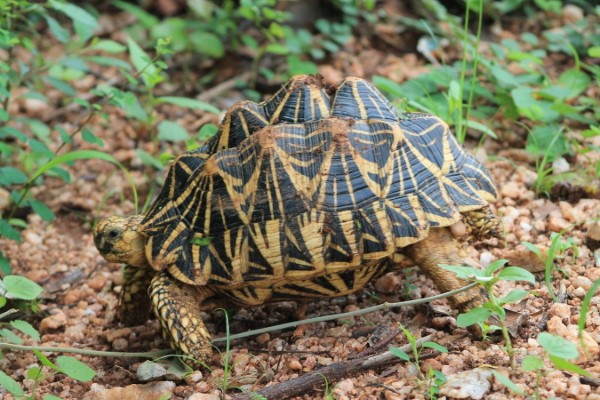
x=309, y=193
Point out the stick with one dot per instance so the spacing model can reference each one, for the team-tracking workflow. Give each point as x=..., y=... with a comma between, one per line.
x=331, y=373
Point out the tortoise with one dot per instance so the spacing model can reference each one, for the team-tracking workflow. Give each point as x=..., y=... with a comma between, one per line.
x=310, y=194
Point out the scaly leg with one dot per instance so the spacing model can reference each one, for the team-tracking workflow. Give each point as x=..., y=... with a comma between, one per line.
x=134, y=305
x=440, y=247
x=177, y=306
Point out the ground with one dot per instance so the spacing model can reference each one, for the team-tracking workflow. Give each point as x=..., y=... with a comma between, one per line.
x=80, y=299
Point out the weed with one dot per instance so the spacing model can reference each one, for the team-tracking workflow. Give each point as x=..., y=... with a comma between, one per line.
x=487, y=278
x=434, y=378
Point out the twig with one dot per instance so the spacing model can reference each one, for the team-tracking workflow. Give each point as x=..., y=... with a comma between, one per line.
x=223, y=87
x=324, y=318
x=145, y=354
x=331, y=373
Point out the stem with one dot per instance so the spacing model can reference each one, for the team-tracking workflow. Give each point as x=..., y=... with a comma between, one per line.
x=145, y=354
x=505, y=334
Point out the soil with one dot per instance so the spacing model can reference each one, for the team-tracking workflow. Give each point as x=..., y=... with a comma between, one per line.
x=80, y=300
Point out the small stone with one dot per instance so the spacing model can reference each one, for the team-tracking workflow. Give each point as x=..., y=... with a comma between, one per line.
x=120, y=344
x=32, y=238
x=485, y=259
x=582, y=282
x=343, y=388
x=55, y=321
x=263, y=338
x=458, y=229
x=73, y=296
x=597, y=257
x=579, y=292
x=195, y=376
x=4, y=199
x=203, y=396
x=572, y=13
x=511, y=190
x=526, y=226
x=561, y=310
x=557, y=224
x=472, y=384
x=149, y=370
x=388, y=283
x=97, y=283
x=560, y=166
x=117, y=333
x=593, y=230
x=35, y=107
x=149, y=391
x=295, y=365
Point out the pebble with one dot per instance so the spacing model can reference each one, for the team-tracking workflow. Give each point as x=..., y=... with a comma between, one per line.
x=572, y=13
x=120, y=344
x=557, y=224
x=73, y=296
x=485, y=259
x=57, y=320
x=593, y=230
x=97, y=283
x=117, y=333
x=4, y=199
x=582, y=282
x=148, y=391
x=203, y=396
x=388, y=283
x=560, y=165
x=263, y=339
x=511, y=190
x=295, y=365
x=561, y=310
x=32, y=238
x=472, y=384
x=344, y=389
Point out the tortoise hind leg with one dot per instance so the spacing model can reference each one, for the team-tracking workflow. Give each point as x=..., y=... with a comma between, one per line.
x=440, y=247
x=178, y=306
x=134, y=304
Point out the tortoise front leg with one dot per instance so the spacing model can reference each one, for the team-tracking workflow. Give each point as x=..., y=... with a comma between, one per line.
x=178, y=306
x=440, y=247
x=134, y=304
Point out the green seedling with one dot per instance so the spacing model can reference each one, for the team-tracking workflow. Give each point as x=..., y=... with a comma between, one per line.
x=493, y=308
x=434, y=378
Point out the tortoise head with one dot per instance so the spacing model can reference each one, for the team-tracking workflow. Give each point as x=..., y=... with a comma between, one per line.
x=119, y=240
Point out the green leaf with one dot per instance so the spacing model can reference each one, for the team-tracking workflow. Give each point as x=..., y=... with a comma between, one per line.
x=10, y=336
x=19, y=287
x=132, y=107
x=5, y=268
x=61, y=85
x=77, y=14
x=109, y=61
x=50, y=397
x=88, y=136
x=143, y=64
x=532, y=363
x=11, y=175
x=435, y=346
x=507, y=382
x=75, y=369
x=4, y=115
x=110, y=46
x=8, y=231
x=42, y=210
x=532, y=108
x=474, y=316
x=26, y=328
x=513, y=296
x=585, y=305
x=189, y=103
x=168, y=130
x=467, y=273
x=565, y=365
x=11, y=385
x=146, y=19
x=594, y=52
x=208, y=44
x=44, y=360
x=575, y=80
x=207, y=131
x=557, y=346
x=481, y=128
x=495, y=266
x=533, y=248
x=60, y=33
x=548, y=141
x=34, y=373
x=516, y=274
x=277, y=48
x=401, y=354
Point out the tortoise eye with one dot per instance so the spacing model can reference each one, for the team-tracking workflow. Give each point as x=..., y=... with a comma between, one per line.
x=113, y=234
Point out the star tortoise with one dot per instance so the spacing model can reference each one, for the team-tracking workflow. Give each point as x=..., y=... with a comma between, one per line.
x=310, y=194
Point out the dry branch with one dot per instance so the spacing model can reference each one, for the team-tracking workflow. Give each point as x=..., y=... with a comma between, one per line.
x=331, y=373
